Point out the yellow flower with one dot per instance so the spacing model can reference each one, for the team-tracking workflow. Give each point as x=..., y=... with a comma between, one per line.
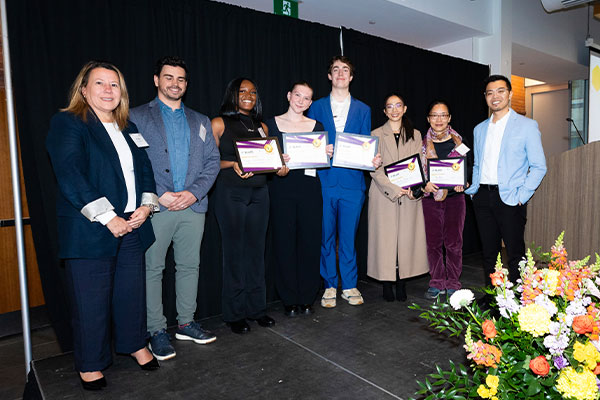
x=587, y=354
x=534, y=319
x=492, y=381
x=483, y=392
x=489, y=393
x=577, y=385
x=551, y=277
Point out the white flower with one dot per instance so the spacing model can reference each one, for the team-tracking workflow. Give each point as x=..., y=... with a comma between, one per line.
x=461, y=298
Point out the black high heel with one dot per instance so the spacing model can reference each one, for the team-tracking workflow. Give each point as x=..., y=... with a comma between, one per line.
x=95, y=385
x=388, y=293
x=151, y=365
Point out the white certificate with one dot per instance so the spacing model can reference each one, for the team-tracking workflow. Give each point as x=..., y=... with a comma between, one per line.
x=306, y=150
x=259, y=155
x=406, y=172
x=447, y=172
x=355, y=151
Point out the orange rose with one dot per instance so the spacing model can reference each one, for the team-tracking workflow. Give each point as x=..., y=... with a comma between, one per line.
x=597, y=370
x=539, y=366
x=583, y=324
x=497, y=278
x=489, y=329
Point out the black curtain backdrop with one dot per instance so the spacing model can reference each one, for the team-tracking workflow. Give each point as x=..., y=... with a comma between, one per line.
x=50, y=41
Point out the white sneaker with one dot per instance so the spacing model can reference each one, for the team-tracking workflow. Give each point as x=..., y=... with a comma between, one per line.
x=353, y=296
x=329, y=297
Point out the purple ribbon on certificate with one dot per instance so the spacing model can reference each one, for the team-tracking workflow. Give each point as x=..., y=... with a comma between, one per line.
x=302, y=139
x=400, y=167
x=438, y=163
x=254, y=144
x=354, y=140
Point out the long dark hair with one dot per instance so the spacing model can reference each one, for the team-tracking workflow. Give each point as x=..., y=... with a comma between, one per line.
x=230, y=103
x=408, y=129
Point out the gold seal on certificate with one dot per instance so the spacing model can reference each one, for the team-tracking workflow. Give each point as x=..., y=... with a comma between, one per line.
x=406, y=172
x=259, y=155
x=306, y=150
x=447, y=172
x=355, y=151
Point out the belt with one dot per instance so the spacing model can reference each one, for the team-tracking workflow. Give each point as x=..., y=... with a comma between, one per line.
x=491, y=188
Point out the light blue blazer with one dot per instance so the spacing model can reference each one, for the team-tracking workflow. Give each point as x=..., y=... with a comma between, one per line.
x=521, y=165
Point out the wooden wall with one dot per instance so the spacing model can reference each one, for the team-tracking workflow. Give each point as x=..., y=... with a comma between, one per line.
x=568, y=199
x=9, y=273
x=518, y=99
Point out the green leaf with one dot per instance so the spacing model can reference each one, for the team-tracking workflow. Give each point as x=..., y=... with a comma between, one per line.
x=534, y=388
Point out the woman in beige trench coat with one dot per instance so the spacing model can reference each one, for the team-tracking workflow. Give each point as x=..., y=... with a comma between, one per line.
x=396, y=223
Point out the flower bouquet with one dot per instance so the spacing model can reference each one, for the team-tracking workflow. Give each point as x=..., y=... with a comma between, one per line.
x=544, y=343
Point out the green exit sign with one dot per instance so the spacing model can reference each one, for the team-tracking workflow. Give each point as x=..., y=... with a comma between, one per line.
x=286, y=7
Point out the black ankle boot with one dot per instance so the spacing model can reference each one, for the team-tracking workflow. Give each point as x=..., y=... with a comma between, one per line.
x=401, y=290
x=388, y=293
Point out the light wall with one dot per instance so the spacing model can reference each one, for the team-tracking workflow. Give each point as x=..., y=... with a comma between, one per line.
x=549, y=105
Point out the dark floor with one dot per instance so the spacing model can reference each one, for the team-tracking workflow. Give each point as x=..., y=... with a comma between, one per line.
x=374, y=351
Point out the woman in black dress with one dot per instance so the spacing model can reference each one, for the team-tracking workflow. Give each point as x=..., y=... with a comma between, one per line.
x=242, y=210
x=296, y=212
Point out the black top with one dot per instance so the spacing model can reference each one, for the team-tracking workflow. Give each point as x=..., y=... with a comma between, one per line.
x=443, y=149
x=295, y=181
x=239, y=126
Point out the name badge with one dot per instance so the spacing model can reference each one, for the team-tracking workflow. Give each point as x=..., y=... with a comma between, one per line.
x=139, y=140
x=310, y=172
x=463, y=149
x=262, y=133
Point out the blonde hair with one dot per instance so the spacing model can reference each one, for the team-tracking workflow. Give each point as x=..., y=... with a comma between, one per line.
x=79, y=106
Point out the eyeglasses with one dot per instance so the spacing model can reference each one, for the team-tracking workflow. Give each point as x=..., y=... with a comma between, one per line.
x=439, y=116
x=500, y=91
x=390, y=107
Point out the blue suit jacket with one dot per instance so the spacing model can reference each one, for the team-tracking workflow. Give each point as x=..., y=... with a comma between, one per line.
x=521, y=165
x=358, y=121
x=87, y=168
x=204, y=160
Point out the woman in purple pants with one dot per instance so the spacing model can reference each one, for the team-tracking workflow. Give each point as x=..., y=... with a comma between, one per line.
x=443, y=208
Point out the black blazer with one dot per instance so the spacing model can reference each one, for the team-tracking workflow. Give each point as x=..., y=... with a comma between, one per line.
x=87, y=167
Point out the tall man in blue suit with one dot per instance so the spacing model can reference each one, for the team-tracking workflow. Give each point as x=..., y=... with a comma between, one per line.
x=509, y=166
x=343, y=189
x=185, y=160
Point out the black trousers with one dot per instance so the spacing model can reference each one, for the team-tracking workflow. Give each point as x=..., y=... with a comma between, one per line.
x=243, y=216
x=498, y=221
x=101, y=290
x=296, y=219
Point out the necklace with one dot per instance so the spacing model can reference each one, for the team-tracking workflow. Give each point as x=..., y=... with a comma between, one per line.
x=248, y=129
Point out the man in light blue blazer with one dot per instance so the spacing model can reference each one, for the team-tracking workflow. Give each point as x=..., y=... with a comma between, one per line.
x=343, y=189
x=185, y=160
x=509, y=166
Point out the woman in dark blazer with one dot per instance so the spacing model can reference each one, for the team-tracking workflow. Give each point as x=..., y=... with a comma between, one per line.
x=106, y=192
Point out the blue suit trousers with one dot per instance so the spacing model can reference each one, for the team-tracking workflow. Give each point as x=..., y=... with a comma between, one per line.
x=101, y=290
x=341, y=213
